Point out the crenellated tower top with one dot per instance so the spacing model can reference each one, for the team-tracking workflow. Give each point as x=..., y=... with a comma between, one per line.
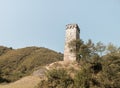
x=72, y=26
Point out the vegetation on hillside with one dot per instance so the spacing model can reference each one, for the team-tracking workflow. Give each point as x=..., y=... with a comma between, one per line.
x=17, y=63
x=99, y=68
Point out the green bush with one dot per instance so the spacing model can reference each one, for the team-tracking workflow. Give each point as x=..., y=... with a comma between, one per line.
x=82, y=79
x=57, y=78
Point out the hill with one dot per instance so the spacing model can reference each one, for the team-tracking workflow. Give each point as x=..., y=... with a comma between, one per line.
x=95, y=72
x=46, y=70
x=17, y=63
x=25, y=82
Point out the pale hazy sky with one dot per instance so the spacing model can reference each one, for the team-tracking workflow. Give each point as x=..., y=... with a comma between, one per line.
x=42, y=22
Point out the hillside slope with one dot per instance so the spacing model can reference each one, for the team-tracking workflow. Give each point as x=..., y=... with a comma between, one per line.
x=25, y=82
x=33, y=81
x=17, y=63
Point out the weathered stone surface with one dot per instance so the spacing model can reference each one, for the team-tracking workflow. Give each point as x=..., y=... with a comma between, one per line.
x=72, y=33
x=41, y=72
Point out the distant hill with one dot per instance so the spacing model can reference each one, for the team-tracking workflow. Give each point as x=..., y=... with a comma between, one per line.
x=17, y=63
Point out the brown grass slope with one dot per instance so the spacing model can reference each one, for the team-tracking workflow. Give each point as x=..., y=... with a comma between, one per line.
x=25, y=82
x=17, y=63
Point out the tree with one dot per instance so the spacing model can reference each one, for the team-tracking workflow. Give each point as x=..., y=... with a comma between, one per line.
x=100, y=48
x=75, y=45
x=91, y=47
x=84, y=51
x=79, y=48
x=111, y=48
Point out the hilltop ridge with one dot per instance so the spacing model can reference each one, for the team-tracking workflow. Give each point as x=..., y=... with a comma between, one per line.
x=17, y=63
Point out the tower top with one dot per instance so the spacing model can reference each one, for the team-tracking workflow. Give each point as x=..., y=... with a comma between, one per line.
x=72, y=26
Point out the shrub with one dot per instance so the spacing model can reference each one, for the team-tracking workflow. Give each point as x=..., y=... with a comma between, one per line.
x=57, y=78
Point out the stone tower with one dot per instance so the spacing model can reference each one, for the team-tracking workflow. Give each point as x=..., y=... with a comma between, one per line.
x=72, y=33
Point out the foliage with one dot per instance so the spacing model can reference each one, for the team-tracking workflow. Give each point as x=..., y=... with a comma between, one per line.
x=57, y=78
x=111, y=48
x=80, y=49
x=100, y=47
x=110, y=75
x=91, y=47
x=82, y=78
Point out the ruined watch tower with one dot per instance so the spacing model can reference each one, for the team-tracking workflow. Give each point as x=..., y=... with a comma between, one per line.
x=72, y=33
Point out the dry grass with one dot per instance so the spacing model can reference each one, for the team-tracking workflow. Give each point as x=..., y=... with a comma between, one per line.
x=26, y=82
